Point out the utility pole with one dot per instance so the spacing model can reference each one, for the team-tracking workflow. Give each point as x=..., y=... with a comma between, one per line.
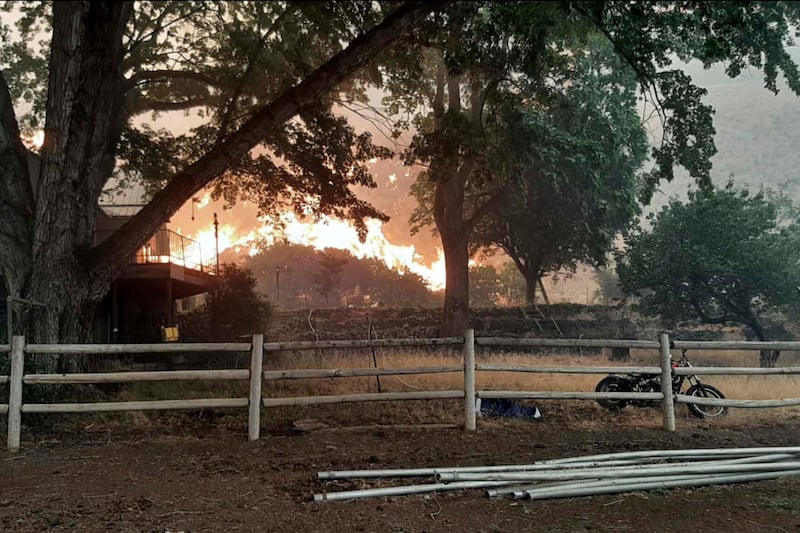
x=216, y=244
x=278, y=286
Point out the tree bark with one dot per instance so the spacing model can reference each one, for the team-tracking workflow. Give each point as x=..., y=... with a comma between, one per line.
x=82, y=128
x=450, y=173
x=766, y=358
x=533, y=285
x=16, y=200
x=448, y=210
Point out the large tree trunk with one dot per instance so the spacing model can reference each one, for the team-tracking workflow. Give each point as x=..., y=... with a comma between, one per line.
x=58, y=207
x=455, y=314
x=531, y=284
x=451, y=169
x=82, y=128
x=16, y=202
x=448, y=211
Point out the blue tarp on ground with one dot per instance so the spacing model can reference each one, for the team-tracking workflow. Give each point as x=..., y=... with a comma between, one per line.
x=504, y=407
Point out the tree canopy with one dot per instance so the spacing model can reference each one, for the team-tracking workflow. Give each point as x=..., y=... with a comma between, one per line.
x=573, y=186
x=260, y=81
x=260, y=76
x=725, y=255
x=485, y=63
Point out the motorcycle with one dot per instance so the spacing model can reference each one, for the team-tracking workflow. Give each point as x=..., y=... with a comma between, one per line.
x=650, y=383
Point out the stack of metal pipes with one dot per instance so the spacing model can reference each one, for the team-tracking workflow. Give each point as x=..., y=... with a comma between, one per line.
x=588, y=475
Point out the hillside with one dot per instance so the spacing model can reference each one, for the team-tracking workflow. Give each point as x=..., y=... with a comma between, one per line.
x=757, y=132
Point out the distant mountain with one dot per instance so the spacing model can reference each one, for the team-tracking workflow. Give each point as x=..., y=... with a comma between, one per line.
x=758, y=133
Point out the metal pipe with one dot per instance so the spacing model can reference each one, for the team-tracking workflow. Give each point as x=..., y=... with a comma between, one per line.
x=522, y=492
x=699, y=452
x=408, y=489
x=591, y=482
x=607, y=459
x=446, y=477
x=694, y=482
x=430, y=472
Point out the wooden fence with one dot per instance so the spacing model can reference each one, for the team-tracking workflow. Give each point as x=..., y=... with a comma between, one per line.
x=469, y=392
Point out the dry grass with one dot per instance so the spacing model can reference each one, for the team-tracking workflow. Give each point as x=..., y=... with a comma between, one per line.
x=581, y=414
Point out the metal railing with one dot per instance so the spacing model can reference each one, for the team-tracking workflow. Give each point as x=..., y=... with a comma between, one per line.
x=167, y=246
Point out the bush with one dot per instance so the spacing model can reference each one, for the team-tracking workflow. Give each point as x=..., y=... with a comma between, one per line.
x=233, y=311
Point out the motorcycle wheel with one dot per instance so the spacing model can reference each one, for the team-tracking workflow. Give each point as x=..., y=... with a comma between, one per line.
x=706, y=411
x=612, y=384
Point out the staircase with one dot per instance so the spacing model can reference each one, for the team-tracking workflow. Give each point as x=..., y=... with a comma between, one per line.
x=542, y=321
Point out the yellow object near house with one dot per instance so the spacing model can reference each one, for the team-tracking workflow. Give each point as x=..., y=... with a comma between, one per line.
x=170, y=334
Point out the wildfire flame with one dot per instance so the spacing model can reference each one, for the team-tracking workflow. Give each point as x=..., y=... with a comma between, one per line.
x=328, y=233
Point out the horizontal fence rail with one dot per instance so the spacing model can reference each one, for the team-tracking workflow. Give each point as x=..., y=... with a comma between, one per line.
x=736, y=345
x=311, y=373
x=367, y=397
x=133, y=377
x=150, y=405
x=734, y=371
x=653, y=370
x=557, y=395
x=697, y=400
x=374, y=343
x=90, y=349
x=567, y=343
x=470, y=393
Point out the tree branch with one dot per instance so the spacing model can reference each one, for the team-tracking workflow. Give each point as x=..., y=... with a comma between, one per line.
x=698, y=308
x=487, y=206
x=146, y=76
x=109, y=257
x=147, y=106
x=251, y=63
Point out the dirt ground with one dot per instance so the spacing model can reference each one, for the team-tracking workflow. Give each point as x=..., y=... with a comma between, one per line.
x=203, y=475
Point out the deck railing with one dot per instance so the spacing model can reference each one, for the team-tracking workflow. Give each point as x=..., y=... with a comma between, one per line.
x=167, y=246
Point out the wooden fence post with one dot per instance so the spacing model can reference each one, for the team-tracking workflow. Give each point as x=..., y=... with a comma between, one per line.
x=666, y=382
x=470, y=416
x=15, y=392
x=256, y=364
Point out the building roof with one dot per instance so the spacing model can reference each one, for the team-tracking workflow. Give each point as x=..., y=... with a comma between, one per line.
x=122, y=202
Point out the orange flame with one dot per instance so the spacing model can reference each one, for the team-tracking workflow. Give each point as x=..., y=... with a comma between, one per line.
x=329, y=233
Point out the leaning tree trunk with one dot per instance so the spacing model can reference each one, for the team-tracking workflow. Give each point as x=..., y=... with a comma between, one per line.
x=16, y=204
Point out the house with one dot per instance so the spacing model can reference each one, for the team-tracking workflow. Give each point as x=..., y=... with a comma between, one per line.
x=166, y=269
